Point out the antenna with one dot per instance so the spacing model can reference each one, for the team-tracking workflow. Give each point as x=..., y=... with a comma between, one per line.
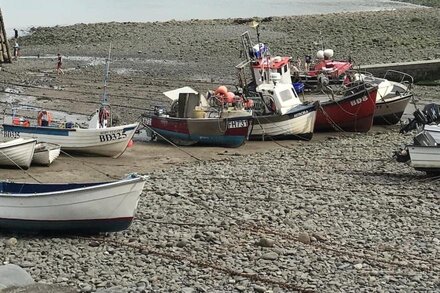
x=104, y=100
x=256, y=26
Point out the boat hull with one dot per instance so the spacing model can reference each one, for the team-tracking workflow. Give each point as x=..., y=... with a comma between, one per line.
x=425, y=158
x=227, y=132
x=17, y=153
x=389, y=111
x=352, y=113
x=296, y=124
x=79, y=208
x=45, y=153
x=109, y=142
x=434, y=131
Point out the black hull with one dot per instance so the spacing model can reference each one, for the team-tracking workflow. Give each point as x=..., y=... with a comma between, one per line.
x=390, y=119
x=303, y=136
x=93, y=226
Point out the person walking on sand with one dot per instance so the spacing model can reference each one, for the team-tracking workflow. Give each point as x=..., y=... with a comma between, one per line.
x=59, y=63
x=16, y=51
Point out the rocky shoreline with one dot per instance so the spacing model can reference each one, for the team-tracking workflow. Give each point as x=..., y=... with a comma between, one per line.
x=211, y=48
x=340, y=215
x=334, y=214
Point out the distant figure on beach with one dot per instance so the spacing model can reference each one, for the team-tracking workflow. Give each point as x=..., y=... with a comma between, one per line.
x=15, y=33
x=16, y=51
x=294, y=69
x=59, y=64
x=43, y=118
x=308, y=60
x=298, y=63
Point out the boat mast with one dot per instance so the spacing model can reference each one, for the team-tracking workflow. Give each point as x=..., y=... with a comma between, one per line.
x=104, y=99
x=105, y=105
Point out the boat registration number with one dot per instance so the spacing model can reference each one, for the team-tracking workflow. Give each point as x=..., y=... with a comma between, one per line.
x=109, y=136
x=147, y=121
x=11, y=134
x=358, y=101
x=237, y=124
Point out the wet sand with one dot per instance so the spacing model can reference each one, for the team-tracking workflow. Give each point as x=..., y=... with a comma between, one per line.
x=150, y=58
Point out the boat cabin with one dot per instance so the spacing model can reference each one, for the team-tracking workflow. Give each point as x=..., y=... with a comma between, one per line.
x=187, y=103
x=280, y=96
x=264, y=67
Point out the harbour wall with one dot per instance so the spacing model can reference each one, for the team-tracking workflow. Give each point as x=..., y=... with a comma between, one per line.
x=420, y=70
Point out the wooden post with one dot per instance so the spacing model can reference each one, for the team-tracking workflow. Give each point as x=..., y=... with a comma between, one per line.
x=4, y=50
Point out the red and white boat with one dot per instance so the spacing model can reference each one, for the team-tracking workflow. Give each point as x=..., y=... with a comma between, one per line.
x=392, y=96
x=351, y=110
x=393, y=92
x=332, y=70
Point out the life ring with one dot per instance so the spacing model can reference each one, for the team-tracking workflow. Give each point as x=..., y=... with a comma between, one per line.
x=21, y=122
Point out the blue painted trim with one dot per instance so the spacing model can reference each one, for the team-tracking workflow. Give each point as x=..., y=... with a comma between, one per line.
x=34, y=188
x=217, y=140
x=91, y=226
x=38, y=130
x=129, y=128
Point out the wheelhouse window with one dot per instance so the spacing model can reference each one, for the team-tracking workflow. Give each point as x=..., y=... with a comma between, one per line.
x=286, y=95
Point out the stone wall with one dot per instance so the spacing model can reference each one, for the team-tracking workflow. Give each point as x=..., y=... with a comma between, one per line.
x=419, y=70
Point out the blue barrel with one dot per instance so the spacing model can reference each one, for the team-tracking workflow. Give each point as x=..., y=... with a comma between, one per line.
x=299, y=87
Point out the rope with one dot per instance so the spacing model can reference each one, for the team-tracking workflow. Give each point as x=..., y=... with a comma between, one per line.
x=264, y=118
x=270, y=137
x=146, y=250
x=342, y=249
x=169, y=141
x=88, y=165
x=19, y=167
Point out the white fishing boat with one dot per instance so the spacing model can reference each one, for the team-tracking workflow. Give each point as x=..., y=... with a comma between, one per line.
x=392, y=97
x=45, y=153
x=17, y=152
x=69, y=207
x=424, y=153
x=98, y=139
x=434, y=131
x=425, y=158
x=279, y=113
x=108, y=141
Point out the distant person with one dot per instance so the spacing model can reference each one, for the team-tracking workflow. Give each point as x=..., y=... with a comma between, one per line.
x=43, y=118
x=59, y=64
x=298, y=63
x=16, y=51
x=308, y=60
x=15, y=33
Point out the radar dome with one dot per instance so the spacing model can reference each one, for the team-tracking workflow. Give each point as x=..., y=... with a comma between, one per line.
x=328, y=53
x=320, y=54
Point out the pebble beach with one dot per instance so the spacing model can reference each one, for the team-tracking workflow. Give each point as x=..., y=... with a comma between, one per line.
x=334, y=214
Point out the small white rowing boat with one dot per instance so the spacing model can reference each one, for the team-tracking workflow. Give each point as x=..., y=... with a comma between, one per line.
x=17, y=152
x=69, y=207
x=45, y=153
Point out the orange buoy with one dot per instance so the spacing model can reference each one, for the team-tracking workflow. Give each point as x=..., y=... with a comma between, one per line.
x=230, y=96
x=130, y=143
x=249, y=104
x=221, y=90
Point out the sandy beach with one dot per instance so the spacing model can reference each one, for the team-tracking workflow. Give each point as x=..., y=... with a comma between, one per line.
x=333, y=214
